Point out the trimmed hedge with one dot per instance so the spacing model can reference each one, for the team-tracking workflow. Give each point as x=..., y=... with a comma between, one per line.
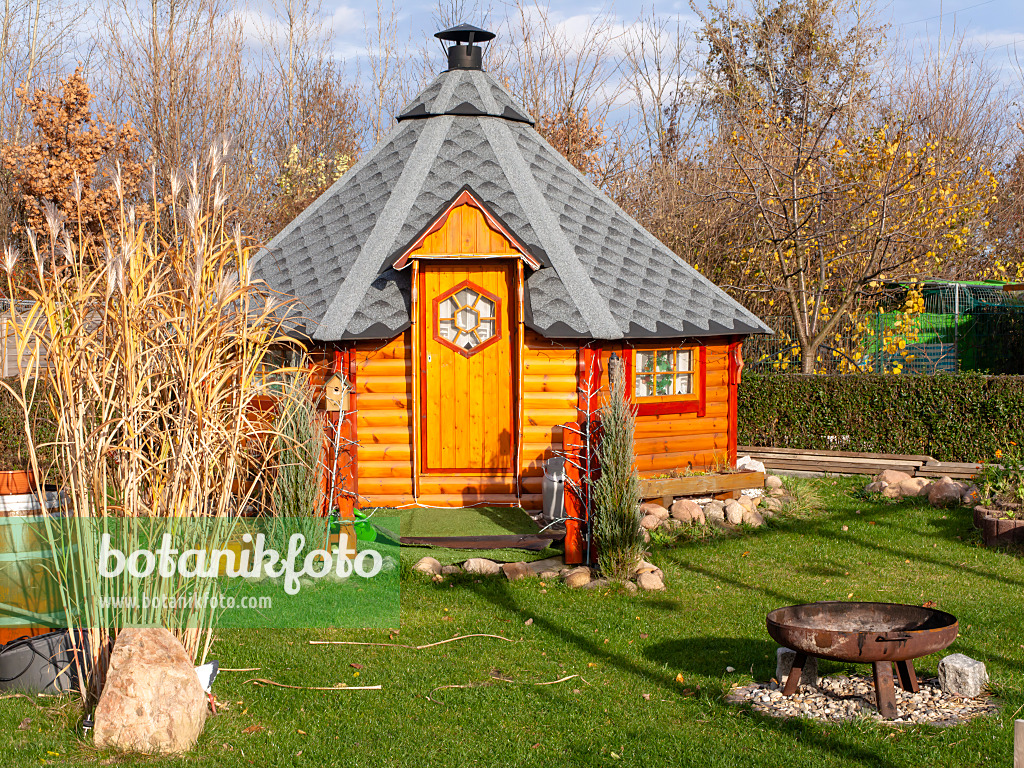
x=13, y=454
x=962, y=417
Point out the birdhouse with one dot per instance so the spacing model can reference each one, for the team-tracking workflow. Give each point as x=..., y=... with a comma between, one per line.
x=335, y=397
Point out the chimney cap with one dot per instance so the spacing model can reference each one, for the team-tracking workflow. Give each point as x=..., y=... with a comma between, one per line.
x=465, y=34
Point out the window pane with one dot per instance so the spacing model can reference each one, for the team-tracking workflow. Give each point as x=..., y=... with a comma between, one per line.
x=446, y=330
x=466, y=297
x=447, y=309
x=644, y=386
x=485, y=307
x=645, y=361
x=684, y=384
x=664, y=384
x=664, y=360
x=486, y=329
x=684, y=360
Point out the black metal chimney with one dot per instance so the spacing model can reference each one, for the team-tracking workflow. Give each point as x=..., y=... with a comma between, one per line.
x=465, y=55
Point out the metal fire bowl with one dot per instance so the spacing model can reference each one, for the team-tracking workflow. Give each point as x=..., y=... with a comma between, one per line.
x=862, y=632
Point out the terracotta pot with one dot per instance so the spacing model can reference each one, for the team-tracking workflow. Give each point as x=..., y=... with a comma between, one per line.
x=16, y=482
x=997, y=531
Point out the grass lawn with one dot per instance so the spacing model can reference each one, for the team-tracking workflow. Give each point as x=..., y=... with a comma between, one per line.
x=621, y=647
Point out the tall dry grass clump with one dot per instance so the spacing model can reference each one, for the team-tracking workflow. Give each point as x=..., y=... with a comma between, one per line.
x=153, y=342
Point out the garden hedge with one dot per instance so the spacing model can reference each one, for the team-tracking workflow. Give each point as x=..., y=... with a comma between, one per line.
x=962, y=417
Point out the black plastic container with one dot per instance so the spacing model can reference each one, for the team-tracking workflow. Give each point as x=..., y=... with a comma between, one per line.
x=40, y=664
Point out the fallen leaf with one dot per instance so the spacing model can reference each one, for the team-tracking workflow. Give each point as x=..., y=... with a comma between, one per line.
x=528, y=622
x=643, y=635
x=745, y=553
x=929, y=604
x=535, y=745
x=24, y=724
x=680, y=679
x=645, y=696
x=356, y=666
x=849, y=596
x=301, y=731
x=253, y=729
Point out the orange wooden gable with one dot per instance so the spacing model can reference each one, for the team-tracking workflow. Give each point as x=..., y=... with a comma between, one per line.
x=466, y=229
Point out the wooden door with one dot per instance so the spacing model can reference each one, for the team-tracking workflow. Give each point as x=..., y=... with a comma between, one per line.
x=468, y=380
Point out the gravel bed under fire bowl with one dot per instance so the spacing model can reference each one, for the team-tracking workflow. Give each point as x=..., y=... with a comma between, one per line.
x=846, y=698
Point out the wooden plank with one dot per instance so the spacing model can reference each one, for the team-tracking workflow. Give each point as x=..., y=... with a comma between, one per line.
x=849, y=454
x=699, y=485
x=1018, y=744
x=526, y=501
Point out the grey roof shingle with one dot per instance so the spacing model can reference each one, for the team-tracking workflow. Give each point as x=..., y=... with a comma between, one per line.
x=603, y=275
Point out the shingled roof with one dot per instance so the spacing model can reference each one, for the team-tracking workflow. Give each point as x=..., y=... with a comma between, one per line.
x=602, y=275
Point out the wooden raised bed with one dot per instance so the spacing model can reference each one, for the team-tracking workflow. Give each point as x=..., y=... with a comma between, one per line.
x=667, y=488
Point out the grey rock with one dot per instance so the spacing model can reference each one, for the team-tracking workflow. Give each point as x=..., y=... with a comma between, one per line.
x=448, y=570
x=596, y=584
x=961, y=675
x=876, y=487
x=784, y=663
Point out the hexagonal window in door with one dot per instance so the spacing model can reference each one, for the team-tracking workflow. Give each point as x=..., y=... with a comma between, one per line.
x=466, y=318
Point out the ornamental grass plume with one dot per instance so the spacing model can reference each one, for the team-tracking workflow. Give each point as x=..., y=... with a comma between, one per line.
x=616, y=492
x=150, y=342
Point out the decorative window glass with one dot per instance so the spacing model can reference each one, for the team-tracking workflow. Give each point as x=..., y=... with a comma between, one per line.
x=467, y=318
x=664, y=372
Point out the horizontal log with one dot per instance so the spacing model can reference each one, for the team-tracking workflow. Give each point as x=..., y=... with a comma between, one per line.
x=550, y=383
x=381, y=384
x=547, y=400
x=654, y=446
x=397, y=350
x=393, y=468
x=385, y=485
x=681, y=459
x=534, y=365
x=679, y=427
x=390, y=434
x=698, y=461
x=385, y=453
x=383, y=367
x=387, y=419
x=382, y=401
x=542, y=435
x=537, y=417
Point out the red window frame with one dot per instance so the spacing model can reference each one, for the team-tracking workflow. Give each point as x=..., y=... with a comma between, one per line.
x=662, y=404
x=436, y=309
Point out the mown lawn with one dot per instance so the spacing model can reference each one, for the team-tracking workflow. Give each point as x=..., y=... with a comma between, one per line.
x=620, y=647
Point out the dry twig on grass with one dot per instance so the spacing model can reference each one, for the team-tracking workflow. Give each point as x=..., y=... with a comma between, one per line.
x=401, y=645
x=338, y=687
x=495, y=677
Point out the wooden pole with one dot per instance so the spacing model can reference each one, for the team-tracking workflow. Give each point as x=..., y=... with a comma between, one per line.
x=1018, y=744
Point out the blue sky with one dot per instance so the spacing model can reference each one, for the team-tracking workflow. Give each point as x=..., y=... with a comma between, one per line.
x=990, y=25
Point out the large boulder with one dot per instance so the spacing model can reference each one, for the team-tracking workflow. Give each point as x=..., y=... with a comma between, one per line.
x=516, y=571
x=715, y=512
x=945, y=492
x=752, y=518
x=152, y=701
x=686, y=511
x=651, y=581
x=772, y=482
x=891, y=476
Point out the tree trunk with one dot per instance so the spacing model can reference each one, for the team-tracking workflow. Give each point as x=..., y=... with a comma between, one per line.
x=808, y=356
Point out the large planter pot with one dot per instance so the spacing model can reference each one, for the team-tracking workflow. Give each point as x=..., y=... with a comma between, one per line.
x=16, y=482
x=996, y=530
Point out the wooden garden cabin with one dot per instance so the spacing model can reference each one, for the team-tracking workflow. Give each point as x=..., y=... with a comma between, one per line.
x=470, y=284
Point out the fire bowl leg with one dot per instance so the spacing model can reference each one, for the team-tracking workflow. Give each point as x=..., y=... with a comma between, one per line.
x=885, y=691
x=793, y=681
x=908, y=678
